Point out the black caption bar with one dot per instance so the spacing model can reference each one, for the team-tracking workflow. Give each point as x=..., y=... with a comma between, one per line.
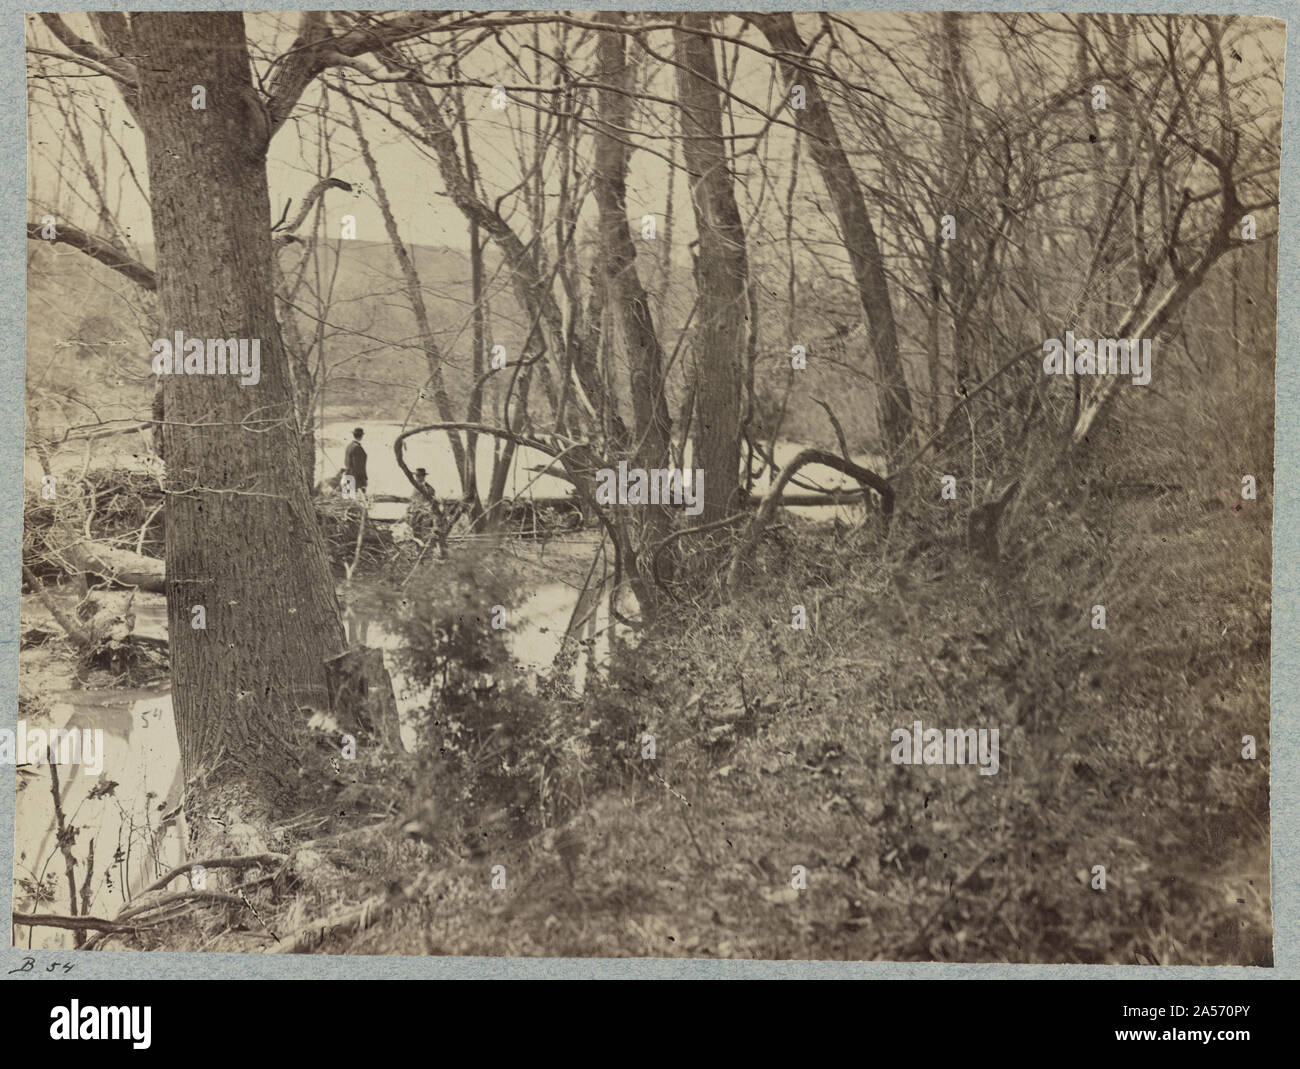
x=147, y=1017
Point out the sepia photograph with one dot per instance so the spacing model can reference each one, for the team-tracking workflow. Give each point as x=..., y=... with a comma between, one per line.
x=672, y=484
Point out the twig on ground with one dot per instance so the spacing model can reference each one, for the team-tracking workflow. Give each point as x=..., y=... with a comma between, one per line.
x=77, y=924
x=248, y=862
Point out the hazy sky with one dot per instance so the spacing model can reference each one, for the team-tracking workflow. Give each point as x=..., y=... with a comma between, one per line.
x=424, y=213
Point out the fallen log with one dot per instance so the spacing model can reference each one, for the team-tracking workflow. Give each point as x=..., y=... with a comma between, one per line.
x=118, y=565
x=567, y=501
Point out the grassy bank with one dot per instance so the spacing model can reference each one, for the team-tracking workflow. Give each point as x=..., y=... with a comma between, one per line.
x=1120, y=748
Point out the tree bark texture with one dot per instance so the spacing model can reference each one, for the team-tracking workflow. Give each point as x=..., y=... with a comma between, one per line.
x=242, y=538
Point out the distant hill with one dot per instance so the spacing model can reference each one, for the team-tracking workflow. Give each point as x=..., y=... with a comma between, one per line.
x=89, y=333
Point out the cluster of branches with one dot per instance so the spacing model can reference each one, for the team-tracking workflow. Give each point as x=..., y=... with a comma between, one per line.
x=943, y=190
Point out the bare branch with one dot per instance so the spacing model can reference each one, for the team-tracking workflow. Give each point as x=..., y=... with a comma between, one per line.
x=316, y=49
x=98, y=249
x=116, y=67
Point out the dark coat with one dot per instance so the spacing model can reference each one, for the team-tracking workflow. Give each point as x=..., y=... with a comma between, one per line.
x=354, y=463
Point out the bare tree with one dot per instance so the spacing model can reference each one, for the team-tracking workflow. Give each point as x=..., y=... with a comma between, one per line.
x=721, y=269
x=894, y=402
x=242, y=538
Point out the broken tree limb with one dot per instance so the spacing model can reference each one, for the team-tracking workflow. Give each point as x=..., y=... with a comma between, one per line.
x=137, y=907
x=866, y=478
x=78, y=635
x=286, y=234
x=246, y=861
x=119, y=565
x=98, y=249
x=76, y=924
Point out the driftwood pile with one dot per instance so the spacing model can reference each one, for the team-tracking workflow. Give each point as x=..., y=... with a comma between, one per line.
x=342, y=526
x=104, y=522
x=108, y=526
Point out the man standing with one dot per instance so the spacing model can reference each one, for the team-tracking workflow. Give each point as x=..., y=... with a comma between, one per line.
x=354, y=460
x=420, y=512
x=421, y=480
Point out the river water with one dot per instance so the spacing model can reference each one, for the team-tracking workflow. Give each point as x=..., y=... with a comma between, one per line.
x=431, y=452
x=141, y=755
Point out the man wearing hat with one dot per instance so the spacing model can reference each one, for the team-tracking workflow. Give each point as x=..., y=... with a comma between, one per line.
x=354, y=460
x=421, y=482
x=419, y=513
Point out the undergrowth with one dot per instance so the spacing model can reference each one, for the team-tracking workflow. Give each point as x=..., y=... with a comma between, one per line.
x=671, y=808
x=1120, y=748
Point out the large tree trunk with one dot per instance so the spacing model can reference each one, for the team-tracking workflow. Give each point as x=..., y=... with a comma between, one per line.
x=242, y=539
x=721, y=270
x=894, y=406
x=625, y=297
